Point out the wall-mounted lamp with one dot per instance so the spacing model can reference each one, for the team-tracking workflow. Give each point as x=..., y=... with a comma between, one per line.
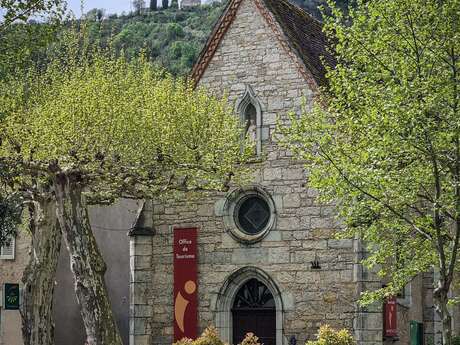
x=315, y=263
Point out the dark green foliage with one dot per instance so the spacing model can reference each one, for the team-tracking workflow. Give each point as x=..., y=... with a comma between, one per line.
x=165, y=4
x=22, y=43
x=173, y=38
x=20, y=11
x=10, y=216
x=24, y=36
x=96, y=14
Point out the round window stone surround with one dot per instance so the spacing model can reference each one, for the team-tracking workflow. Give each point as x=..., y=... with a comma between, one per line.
x=249, y=214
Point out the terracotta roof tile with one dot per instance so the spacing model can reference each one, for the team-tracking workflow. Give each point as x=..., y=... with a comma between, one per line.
x=304, y=34
x=302, y=31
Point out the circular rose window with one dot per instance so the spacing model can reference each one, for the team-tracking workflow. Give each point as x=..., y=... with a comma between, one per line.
x=249, y=214
x=252, y=215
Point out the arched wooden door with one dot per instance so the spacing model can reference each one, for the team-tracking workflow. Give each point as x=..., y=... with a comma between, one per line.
x=254, y=311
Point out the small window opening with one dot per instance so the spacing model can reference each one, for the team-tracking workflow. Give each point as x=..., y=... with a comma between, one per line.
x=250, y=116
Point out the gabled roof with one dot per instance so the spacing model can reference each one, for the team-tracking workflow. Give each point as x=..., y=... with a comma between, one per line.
x=299, y=33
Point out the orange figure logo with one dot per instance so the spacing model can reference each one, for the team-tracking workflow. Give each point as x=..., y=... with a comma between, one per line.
x=180, y=305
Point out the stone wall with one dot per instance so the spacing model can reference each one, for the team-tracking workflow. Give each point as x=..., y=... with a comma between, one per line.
x=410, y=308
x=251, y=55
x=110, y=225
x=11, y=272
x=368, y=322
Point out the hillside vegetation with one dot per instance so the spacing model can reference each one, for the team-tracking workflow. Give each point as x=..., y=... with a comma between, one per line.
x=171, y=37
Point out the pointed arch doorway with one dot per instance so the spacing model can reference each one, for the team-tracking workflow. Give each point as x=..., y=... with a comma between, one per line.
x=254, y=311
x=250, y=301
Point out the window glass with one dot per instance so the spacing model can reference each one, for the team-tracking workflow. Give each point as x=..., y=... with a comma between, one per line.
x=253, y=215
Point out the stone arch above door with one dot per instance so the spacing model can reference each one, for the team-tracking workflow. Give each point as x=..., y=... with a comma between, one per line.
x=227, y=294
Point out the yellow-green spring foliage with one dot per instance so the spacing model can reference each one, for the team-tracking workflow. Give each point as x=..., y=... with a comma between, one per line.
x=119, y=122
x=250, y=339
x=329, y=336
x=210, y=336
x=383, y=144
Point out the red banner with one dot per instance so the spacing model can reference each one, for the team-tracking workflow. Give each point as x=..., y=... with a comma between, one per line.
x=185, y=284
x=390, y=315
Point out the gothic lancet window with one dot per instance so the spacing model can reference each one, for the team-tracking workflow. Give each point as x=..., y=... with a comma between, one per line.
x=254, y=294
x=249, y=109
x=254, y=311
x=250, y=119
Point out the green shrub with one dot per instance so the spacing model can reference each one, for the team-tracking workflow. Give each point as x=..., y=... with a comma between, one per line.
x=330, y=336
x=456, y=340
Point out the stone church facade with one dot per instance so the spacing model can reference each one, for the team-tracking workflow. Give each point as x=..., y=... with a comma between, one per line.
x=266, y=55
x=270, y=236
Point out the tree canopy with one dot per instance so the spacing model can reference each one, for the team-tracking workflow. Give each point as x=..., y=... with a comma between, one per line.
x=22, y=10
x=121, y=122
x=92, y=126
x=383, y=142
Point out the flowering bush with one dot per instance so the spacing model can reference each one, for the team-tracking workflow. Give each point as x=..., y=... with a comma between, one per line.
x=250, y=339
x=329, y=336
x=210, y=336
x=184, y=341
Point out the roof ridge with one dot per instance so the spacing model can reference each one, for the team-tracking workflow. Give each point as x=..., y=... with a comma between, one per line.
x=304, y=35
x=220, y=28
x=300, y=9
x=296, y=29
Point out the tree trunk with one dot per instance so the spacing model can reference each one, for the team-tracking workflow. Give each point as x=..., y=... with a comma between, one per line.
x=86, y=262
x=39, y=275
x=441, y=299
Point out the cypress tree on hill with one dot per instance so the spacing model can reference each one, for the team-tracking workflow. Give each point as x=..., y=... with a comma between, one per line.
x=165, y=3
x=153, y=5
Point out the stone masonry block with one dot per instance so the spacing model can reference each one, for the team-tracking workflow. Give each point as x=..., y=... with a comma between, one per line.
x=250, y=255
x=291, y=200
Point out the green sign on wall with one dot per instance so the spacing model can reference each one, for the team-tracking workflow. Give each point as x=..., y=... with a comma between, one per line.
x=11, y=296
x=416, y=333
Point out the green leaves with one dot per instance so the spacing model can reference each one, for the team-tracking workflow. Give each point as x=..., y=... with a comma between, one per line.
x=10, y=216
x=383, y=144
x=22, y=10
x=127, y=126
x=330, y=336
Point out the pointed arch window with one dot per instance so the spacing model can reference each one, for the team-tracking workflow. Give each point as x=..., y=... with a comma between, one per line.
x=254, y=295
x=250, y=301
x=250, y=111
